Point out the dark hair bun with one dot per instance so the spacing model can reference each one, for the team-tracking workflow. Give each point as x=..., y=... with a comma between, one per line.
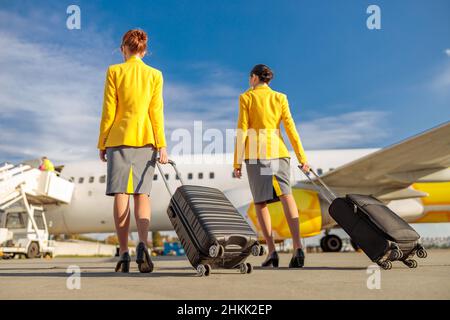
x=263, y=72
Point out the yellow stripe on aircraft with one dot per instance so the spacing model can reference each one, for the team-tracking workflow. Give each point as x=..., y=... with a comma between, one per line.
x=438, y=192
x=310, y=215
x=439, y=196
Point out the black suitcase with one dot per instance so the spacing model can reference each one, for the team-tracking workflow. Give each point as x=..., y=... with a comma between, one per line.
x=213, y=233
x=377, y=230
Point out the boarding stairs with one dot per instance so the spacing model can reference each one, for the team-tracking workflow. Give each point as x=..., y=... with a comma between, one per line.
x=25, y=188
x=38, y=187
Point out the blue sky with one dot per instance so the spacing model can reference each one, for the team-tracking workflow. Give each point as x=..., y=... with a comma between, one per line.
x=348, y=86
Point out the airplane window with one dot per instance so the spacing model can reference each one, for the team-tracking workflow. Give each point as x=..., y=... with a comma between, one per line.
x=200, y=175
x=189, y=176
x=72, y=179
x=319, y=171
x=80, y=180
x=177, y=177
x=211, y=175
x=331, y=169
x=155, y=177
x=102, y=179
x=91, y=179
x=167, y=176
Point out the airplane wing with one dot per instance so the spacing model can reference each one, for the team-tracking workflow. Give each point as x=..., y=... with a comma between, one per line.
x=390, y=171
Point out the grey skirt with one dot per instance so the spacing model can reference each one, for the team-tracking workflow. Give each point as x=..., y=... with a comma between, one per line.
x=268, y=179
x=130, y=169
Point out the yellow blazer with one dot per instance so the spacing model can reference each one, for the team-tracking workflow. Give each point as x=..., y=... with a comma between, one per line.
x=132, y=106
x=261, y=111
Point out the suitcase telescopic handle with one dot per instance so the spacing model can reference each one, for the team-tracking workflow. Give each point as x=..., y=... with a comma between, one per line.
x=163, y=176
x=328, y=197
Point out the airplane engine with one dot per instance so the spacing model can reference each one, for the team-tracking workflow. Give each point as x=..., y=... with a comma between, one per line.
x=409, y=209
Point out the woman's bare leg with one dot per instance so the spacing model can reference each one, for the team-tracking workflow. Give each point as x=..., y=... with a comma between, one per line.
x=122, y=219
x=142, y=213
x=263, y=214
x=291, y=213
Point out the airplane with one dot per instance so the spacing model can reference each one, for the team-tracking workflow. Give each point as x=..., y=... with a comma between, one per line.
x=412, y=177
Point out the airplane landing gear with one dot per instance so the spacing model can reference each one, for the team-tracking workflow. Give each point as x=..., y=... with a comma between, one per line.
x=331, y=243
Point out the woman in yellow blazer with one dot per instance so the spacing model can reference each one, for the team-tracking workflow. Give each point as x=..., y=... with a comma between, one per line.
x=131, y=134
x=259, y=142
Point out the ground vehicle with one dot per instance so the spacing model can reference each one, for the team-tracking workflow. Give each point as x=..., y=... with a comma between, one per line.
x=24, y=233
x=24, y=193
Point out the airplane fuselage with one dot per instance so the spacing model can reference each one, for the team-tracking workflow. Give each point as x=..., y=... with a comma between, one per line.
x=90, y=210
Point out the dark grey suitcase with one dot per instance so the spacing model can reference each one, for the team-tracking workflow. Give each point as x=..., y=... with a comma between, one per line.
x=213, y=233
x=377, y=230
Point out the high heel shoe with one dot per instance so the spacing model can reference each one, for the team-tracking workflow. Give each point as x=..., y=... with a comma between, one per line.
x=271, y=260
x=123, y=265
x=298, y=259
x=145, y=264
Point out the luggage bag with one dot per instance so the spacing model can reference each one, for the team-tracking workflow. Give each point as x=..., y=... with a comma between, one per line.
x=377, y=230
x=213, y=233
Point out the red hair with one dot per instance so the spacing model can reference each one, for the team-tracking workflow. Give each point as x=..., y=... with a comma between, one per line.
x=135, y=40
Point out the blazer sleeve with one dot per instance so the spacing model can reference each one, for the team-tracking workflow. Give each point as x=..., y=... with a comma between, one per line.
x=291, y=131
x=109, y=109
x=156, y=112
x=241, y=134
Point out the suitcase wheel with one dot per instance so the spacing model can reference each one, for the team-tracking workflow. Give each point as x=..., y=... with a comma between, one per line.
x=421, y=252
x=396, y=254
x=245, y=268
x=410, y=263
x=256, y=250
x=386, y=265
x=216, y=251
x=203, y=270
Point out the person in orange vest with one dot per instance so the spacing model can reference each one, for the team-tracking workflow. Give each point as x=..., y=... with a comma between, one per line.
x=46, y=165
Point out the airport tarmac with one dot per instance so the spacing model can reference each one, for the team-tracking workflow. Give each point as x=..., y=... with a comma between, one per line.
x=325, y=276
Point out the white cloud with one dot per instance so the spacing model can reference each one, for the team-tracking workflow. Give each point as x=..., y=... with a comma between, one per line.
x=441, y=82
x=48, y=102
x=353, y=129
x=214, y=104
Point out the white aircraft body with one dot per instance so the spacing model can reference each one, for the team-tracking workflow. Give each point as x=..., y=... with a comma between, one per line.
x=412, y=177
x=91, y=210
